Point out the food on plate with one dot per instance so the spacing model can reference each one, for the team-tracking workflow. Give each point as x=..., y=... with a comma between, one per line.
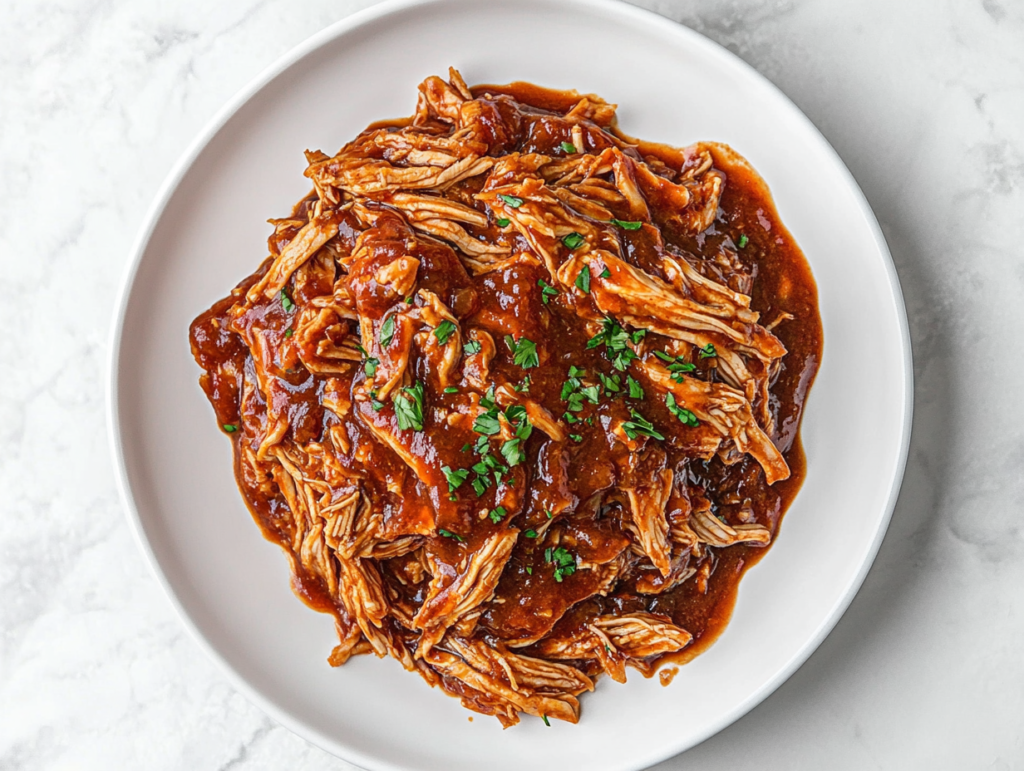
x=518, y=395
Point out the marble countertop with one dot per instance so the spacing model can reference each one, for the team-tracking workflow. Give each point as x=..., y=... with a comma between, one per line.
x=923, y=99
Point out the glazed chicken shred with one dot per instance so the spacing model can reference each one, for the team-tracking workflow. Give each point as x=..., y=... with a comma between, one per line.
x=518, y=395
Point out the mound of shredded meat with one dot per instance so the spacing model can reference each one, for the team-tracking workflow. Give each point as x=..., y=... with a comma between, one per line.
x=501, y=394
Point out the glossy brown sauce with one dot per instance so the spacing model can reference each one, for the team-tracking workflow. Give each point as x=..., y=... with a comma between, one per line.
x=507, y=302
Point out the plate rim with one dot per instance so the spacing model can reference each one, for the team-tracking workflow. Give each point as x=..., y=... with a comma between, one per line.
x=683, y=35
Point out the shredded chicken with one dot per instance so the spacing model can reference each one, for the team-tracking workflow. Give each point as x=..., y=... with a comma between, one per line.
x=501, y=394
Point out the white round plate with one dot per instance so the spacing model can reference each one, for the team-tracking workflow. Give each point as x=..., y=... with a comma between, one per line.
x=207, y=230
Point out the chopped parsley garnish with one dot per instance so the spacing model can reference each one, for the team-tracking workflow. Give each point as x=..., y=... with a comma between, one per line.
x=635, y=391
x=574, y=240
x=512, y=452
x=480, y=485
x=451, y=390
x=708, y=351
x=230, y=427
x=685, y=416
x=591, y=393
x=639, y=425
x=497, y=514
x=444, y=330
x=546, y=290
x=450, y=534
x=627, y=225
x=473, y=346
x=529, y=570
x=569, y=147
x=616, y=341
x=637, y=335
x=676, y=365
x=409, y=407
x=530, y=533
x=375, y=403
x=289, y=332
x=511, y=200
x=516, y=415
x=548, y=512
x=524, y=352
x=370, y=367
x=575, y=371
x=605, y=273
x=611, y=384
x=455, y=477
x=286, y=302
x=576, y=438
x=387, y=331
x=563, y=560
x=503, y=222
x=570, y=418
x=742, y=241
x=583, y=280
x=575, y=401
x=524, y=387
x=482, y=443
x=487, y=423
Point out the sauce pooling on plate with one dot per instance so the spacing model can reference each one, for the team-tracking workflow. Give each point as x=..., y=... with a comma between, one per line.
x=519, y=396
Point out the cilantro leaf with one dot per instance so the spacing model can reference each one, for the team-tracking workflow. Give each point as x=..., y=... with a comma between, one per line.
x=639, y=425
x=574, y=240
x=583, y=280
x=387, y=331
x=511, y=200
x=546, y=290
x=455, y=477
x=409, y=407
x=444, y=330
x=471, y=347
x=569, y=147
x=635, y=390
x=627, y=225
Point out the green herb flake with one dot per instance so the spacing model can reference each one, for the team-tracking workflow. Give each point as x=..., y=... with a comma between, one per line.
x=548, y=512
x=473, y=346
x=569, y=147
x=511, y=200
x=387, y=331
x=529, y=570
x=627, y=225
x=574, y=240
x=487, y=424
x=635, y=390
x=591, y=393
x=708, y=351
x=451, y=390
x=546, y=290
x=685, y=416
x=583, y=280
x=375, y=403
x=480, y=485
x=576, y=438
x=444, y=330
x=497, y=514
x=524, y=352
x=616, y=342
x=564, y=562
x=289, y=332
x=530, y=533
x=503, y=222
x=638, y=426
x=742, y=241
x=455, y=477
x=545, y=719
x=575, y=371
x=512, y=452
x=370, y=367
x=230, y=427
x=570, y=418
x=605, y=273
x=450, y=534
x=611, y=384
x=286, y=302
x=409, y=407
x=637, y=335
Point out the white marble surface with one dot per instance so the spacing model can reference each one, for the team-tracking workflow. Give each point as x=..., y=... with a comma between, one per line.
x=923, y=99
